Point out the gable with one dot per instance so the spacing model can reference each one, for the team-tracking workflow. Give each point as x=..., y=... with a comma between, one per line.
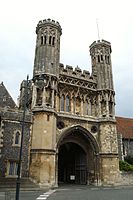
x=125, y=127
x=5, y=98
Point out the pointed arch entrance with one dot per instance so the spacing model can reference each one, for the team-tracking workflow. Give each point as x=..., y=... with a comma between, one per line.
x=77, y=157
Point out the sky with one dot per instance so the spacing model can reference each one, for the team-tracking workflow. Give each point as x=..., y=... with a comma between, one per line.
x=78, y=19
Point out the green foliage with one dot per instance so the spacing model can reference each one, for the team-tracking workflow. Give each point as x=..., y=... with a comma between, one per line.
x=129, y=159
x=125, y=166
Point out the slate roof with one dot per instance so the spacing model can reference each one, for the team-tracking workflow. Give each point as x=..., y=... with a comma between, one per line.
x=5, y=98
x=125, y=127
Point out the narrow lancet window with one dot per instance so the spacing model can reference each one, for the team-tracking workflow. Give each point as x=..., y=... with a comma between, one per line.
x=62, y=102
x=86, y=108
x=39, y=97
x=108, y=60
x=67, y=103
x=45, y=39
x=50, y=38
x=17, y=138
x=42, y=40
x=98, y=58
x=53, y=41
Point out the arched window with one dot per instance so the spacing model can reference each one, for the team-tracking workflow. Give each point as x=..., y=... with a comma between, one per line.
x=78, y=105
x=50, y=38
x=62, y=103
x=101, y=57
x=17, y=138
x=86, y=108
x=108, y=60
x=42, y=39
x=98, y=58
x=39, y=97
x=110, y=108
x=74, y=104
x=45, y=39
x=53, y=41
x=67, y=103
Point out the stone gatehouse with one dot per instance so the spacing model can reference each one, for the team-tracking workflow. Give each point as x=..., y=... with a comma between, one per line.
x=73, y=136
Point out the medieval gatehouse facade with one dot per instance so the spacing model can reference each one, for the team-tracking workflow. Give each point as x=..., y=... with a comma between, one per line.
x=72, y=136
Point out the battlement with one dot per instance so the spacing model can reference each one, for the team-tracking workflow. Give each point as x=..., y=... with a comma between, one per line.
x=77, y=72
x=100, y=42
x=51, y=22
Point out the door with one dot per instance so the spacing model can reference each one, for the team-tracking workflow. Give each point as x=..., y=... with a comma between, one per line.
x=72, y=164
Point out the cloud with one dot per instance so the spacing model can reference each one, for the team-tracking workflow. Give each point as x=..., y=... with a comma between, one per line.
x=19, y=18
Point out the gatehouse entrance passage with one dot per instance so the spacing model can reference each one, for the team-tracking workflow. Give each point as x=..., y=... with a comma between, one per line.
x=72, y=164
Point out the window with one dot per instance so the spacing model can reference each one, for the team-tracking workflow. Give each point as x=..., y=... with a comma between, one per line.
x=39, y=97
x=12, y=168
x=17, y=138
x=78, y=105
x=50, y=38
x=45, y=39
x=86, y=108
x=67, y=103
x=98, y=58
x=48, y=117
x=0, y=121
x=62, y=102
x=42, y=39
x=74, y=104
x=108, y=60
x=101, y=57
x=53, y=41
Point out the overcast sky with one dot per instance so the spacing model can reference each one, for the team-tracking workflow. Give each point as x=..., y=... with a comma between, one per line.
x=18, y=20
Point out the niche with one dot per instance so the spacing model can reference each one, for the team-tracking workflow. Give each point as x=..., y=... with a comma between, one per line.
x=39, y=97
x=48, y=97
x=103, y=108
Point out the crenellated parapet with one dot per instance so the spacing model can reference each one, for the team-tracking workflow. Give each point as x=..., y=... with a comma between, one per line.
x=77, y=72
x=101, y=43
x=47, y=22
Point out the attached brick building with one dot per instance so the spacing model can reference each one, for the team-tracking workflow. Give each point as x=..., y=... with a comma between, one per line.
x=125, y=134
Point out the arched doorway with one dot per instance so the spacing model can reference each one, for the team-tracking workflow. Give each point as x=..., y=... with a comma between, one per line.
x=78, y=160
x=72, y=164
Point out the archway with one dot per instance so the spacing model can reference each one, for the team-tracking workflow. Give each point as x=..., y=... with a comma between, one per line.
x=72, y=164
x=77, y=157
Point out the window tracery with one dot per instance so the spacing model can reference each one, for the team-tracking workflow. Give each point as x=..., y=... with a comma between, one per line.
x=62, y=102
x=67, y=103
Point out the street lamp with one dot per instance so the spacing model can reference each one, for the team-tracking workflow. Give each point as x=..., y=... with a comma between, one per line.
x=21, y=146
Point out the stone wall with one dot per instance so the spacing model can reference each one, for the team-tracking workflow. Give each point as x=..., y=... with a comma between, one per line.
x=126, y=178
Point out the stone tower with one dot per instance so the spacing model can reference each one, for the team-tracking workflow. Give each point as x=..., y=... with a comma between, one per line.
x=74, y=138
x=45, y=79
x=47, y=53
x=100, y=52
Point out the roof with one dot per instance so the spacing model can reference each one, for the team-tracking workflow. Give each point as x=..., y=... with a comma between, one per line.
x=5, y=98
x=125, y=127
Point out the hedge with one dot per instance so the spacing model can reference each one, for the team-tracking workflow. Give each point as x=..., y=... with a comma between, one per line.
x=125, y=166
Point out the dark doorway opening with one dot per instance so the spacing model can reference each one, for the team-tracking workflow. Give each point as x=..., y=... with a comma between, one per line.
x=72, y=164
